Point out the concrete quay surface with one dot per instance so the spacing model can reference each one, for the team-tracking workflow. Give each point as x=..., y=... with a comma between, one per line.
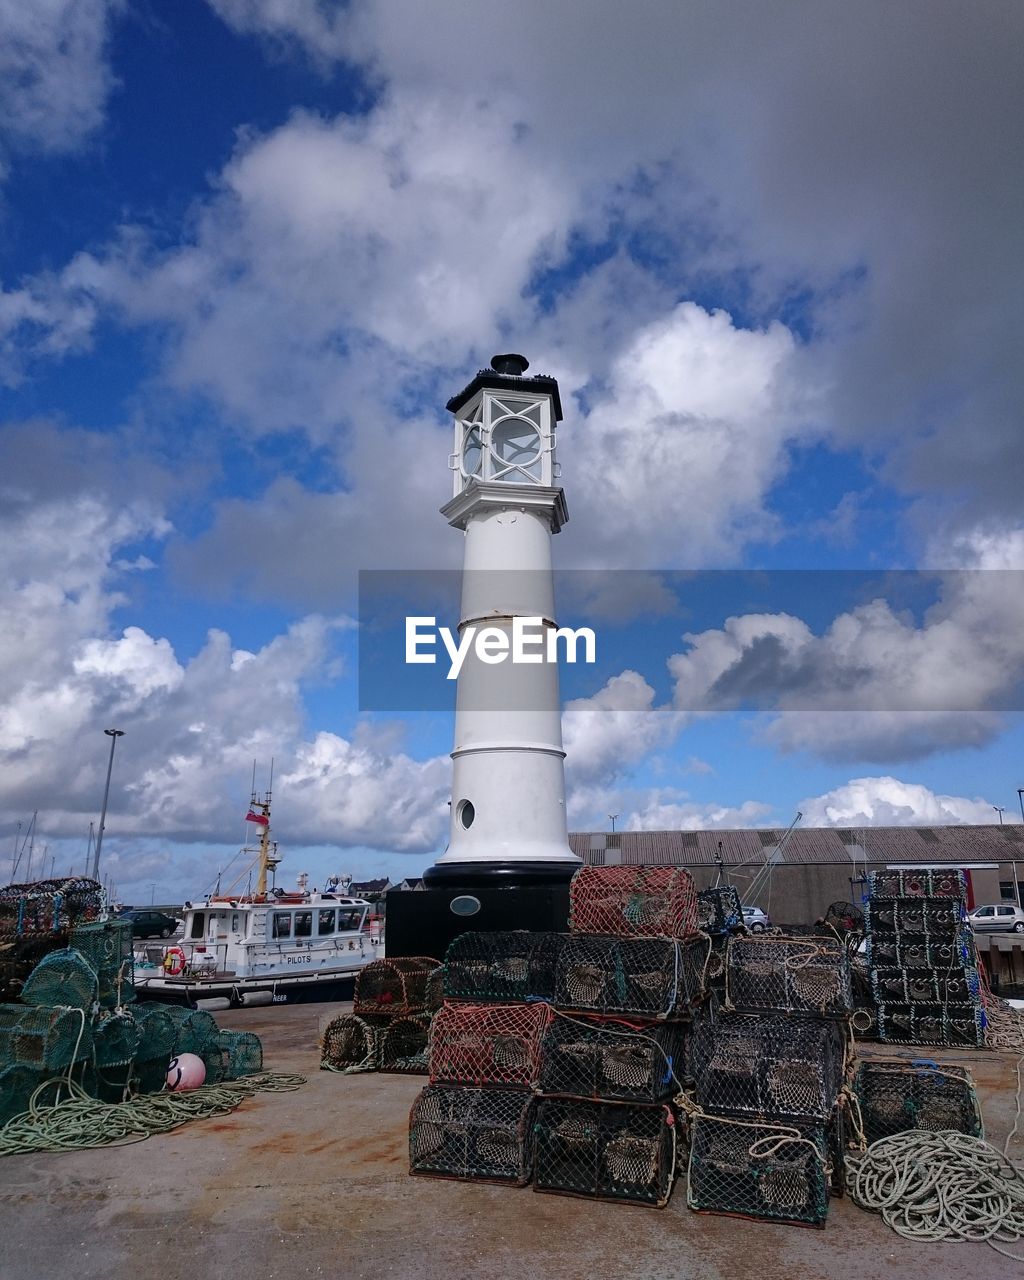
x=315, y=1183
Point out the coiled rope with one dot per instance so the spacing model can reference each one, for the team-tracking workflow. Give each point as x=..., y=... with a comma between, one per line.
x=941, y=1186
x=80, y=1121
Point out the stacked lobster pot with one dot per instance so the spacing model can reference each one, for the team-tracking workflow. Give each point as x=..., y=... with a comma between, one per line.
x=629, y=977
x=720, y=916
x=924, y=968
x=766, y=1135
x=389, y=1025
x=555, y=1056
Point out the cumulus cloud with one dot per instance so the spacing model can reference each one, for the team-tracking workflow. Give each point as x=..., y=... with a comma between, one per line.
x=662, y=810
x=608, y=733
x=875, y=683
x=54, y=74
x=890, y=802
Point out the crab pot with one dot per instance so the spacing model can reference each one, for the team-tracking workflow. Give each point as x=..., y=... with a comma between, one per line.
x=487, y=1044
x=776, y=1173
x=786, y=975
x=718, y=910
x=195, y=1030
x=605, y=1150
x=403, y=1044
x=63, y=977
x=898, y=1095
x=768, y=1067
x=18, y=1082
x=584, y=1057
x=43, y=1039
x=502, y=967
x=633, y=902
x=917, y=884
x=47, y=906
x=242, y=1053
x=645, y=977
x=954, y=1025
x=108, y=948
x=351, y=1042
x=482, y=1135
x=396, y=986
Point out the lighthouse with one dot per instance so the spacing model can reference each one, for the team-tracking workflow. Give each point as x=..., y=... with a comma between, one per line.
x=508, y=862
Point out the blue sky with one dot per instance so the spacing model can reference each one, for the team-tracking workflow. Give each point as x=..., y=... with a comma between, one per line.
x=248, y=250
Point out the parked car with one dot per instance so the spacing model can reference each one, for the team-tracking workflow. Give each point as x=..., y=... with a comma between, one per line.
x=755, y=919
x=151, y=924
x=1005, y=917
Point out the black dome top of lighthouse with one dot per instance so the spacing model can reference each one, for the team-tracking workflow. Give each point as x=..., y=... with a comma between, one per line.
x=508, y=372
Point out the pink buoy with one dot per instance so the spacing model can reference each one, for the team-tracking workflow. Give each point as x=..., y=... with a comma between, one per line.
x=186, y=1071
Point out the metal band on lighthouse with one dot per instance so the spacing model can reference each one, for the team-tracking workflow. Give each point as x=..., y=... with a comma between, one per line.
x=508, y=783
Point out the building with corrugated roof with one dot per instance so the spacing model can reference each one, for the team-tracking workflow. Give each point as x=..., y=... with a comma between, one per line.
x=816, y=866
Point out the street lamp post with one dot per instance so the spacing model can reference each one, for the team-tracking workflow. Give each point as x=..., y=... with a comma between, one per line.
x=113, y=735
x=999, y=809
x=611, y=819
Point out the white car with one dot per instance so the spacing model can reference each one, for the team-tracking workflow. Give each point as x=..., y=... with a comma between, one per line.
x=1005, y=918
x=755, y=919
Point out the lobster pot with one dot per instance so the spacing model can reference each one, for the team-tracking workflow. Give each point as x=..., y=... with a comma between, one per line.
x=403, y=1044
x=108, y=948
x=718, y=910
x=645, y=977
x=401, y=985
x=63, y=977
x=587, y=1058
x=898, y=1095
x=784, y=975
x=777, y=1067
x=487, y=1044
x=242, y=1053
x=502, y=967
x=633, y=902
x=116, y=1039
x=954, y=1025
x=776, y=1173
x=47, y=906
x=605, y=1150
x=484, y=1135
x=18, y=1082
x=43, y=1039
x=917, y=884
x=195, y=1032
x=938, y=919
x=351, y=1043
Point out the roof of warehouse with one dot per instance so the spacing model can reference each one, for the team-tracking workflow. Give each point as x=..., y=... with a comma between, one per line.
x=807, y=845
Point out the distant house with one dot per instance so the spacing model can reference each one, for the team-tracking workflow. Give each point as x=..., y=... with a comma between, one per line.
x=371, y=890
x=412, y=883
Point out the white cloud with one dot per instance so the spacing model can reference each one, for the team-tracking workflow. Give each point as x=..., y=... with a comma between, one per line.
x=608, y=733
x=660, y=810
x=890, y=802
x=54, y=75
x=875, y=683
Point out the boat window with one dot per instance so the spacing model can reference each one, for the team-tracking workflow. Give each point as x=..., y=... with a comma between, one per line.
x=282, y=924
x=325, y=922
x=303, y=924
x=234, y=922
x=348, y=920
x=198, y=924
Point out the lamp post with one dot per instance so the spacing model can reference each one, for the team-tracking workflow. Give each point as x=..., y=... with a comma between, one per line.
x=611, y=819
x=113, y=735
x=999, y=809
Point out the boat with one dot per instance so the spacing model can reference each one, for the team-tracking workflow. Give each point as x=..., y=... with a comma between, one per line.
x=304, y=945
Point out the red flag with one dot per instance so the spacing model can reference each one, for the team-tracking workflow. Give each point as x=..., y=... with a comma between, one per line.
x=261, y=818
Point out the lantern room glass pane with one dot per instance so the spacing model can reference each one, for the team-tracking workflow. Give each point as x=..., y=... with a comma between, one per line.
x=472, y=450
x=515, y=446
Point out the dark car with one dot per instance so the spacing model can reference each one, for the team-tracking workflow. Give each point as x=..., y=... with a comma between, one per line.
x=151, y=924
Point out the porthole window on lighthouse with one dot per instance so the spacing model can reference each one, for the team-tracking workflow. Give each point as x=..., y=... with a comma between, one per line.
x=466, y=813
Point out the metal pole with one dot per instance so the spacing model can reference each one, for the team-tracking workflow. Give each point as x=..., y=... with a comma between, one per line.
x=611, y=819
x=999, y=810
x=113, y=735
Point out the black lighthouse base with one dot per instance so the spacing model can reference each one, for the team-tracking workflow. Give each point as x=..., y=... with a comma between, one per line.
x=485, y=897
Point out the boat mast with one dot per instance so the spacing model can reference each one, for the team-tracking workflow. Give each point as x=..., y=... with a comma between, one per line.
x=268, y=859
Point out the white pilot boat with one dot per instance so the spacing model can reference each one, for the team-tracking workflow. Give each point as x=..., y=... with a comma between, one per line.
x=300, y=946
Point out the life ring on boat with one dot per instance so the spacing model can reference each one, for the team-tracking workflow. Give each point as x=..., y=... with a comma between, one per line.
x=174, y=961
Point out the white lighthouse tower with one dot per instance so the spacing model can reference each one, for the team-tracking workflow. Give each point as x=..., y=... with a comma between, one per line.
x=508, y=821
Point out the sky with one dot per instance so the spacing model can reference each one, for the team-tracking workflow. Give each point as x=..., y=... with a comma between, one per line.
x=249, y=248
